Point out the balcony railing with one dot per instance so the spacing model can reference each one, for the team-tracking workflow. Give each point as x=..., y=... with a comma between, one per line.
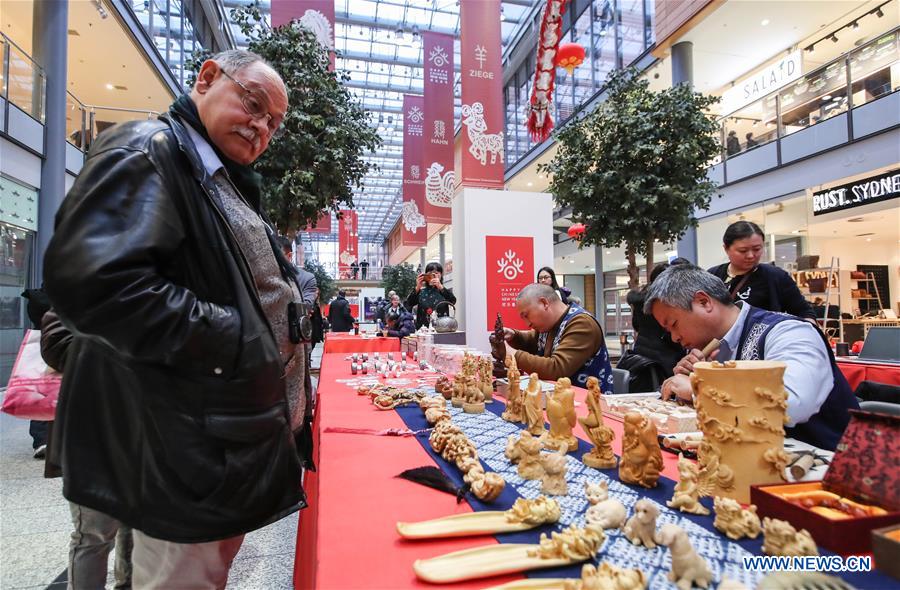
x=24, y=82
x=85, y=122
x=861, y=76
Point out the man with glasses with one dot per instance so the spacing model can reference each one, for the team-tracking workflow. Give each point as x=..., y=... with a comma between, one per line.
x=184, y=398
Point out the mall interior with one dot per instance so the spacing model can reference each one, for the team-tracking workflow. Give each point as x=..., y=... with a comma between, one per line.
x=809, y=107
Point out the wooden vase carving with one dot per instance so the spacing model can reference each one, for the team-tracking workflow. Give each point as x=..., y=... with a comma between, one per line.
x=741, y=409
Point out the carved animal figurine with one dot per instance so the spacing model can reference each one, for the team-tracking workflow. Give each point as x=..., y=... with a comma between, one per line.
x=473, y=403
x=460, y=384
x=534, y=414
x=641, y=459
x=688, y=490
x=604, y=512
x=601, y=456
x=561, y=414
x=514, y=407
x=780, y=538
x=734, y=521
x=688, y=568
x=484, y=379
x=512, y=451
x=641, y=527
x=554, y=480
x=529, y=466
x=607, y=577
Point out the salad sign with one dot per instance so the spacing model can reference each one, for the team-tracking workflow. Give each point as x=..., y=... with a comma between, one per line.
x=767, y=80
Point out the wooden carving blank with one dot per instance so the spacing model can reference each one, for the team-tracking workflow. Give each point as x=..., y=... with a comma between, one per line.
x=536, y=584
x=481, y=562
x=462, y=525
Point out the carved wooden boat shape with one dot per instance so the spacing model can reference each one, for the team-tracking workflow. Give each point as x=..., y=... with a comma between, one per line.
x=482, y=562
x=462, y=525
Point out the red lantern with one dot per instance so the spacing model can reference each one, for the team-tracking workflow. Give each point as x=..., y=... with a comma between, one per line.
x=570, y=56
x=576, y=231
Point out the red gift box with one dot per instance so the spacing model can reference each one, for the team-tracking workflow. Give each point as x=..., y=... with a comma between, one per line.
x=865, y=469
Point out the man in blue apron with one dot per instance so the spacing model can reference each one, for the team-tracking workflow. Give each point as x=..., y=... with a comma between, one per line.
x=695, y=307
x=565, y=340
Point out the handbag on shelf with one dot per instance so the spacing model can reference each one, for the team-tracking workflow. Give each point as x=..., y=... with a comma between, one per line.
x=816, y=285
x=808, y=261
x=33, y=388
x=857, y=275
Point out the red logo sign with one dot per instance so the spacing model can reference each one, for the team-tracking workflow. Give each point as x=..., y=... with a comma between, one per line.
x=509, y=267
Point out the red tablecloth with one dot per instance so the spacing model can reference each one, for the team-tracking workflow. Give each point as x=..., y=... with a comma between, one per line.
x=347, y=537
x=858, y=371
x=347, y=343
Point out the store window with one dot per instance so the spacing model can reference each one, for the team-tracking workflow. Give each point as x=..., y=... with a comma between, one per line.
x=16, y=247
x=603, y=47
x=631, y=29
x=875, y=69
x=584, y=74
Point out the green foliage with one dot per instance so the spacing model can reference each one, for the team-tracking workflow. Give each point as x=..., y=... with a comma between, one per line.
x=400, y=278
x=634, y=170
x=318, y=159
x=327, y=286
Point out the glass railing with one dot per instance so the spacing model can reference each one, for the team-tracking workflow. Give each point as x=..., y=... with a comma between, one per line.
x=24, y=83
x=853, y=79
x=76, y=122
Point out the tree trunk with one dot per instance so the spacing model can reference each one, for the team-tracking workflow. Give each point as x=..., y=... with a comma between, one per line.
x=649, y=258
x=634, y=281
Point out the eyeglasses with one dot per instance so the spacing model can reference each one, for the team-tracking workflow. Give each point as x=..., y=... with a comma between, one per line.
x=256, y=108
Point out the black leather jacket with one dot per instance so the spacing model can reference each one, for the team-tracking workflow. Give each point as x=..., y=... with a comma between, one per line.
x=173, y=414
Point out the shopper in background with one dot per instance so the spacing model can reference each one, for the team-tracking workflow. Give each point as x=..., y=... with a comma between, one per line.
x=318, y=328
x=565, y=340
x=38, y=304
x=364, y=268
x=354, y=270
x=695, y=307
x=654, y=355
x=750, y=141
x=306, y=281
x=339, y=315
x=430, y=294
x=732, y=143
x=399, y=323
x=546, y=276
x=184, y=384
x=761, y=285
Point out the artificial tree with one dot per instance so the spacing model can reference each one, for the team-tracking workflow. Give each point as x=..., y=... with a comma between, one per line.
x=399, y=278
x=318, y=160
x=634, y=170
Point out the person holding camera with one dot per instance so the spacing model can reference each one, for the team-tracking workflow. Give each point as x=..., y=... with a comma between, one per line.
x=430, y=294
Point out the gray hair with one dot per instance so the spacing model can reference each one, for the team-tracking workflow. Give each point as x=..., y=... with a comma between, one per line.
x=678, y=284
x=535, y=291
x=234, y=60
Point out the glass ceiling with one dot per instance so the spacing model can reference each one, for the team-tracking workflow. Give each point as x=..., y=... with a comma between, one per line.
x=379, y=44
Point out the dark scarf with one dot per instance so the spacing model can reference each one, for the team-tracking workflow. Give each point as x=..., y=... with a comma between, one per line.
x=245, y=179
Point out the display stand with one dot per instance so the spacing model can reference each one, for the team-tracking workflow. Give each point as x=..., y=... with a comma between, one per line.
x=831, y=326
x=477, y=214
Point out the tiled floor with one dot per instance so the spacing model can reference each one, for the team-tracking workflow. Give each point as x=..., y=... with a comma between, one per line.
x=35, y=525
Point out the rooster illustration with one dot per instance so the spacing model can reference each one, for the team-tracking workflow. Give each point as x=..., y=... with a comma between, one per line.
x=438, y=187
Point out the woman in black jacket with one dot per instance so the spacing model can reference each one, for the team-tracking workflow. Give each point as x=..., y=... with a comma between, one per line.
x=761, y=285
x=430, y=294
x=546, y=276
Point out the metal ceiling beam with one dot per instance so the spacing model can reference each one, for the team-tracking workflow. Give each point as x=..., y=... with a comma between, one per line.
x=409, y=63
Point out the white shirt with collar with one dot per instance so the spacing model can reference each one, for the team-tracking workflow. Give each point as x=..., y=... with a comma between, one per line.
x=807, y=379
x=208, y=156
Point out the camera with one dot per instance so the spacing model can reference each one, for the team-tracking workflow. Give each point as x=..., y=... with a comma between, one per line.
x=299, y=324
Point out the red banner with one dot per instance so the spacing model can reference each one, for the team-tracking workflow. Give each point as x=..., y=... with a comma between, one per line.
x=348, y=242
x=413, y=227
x=323, y=224
x=440, y=180
x=509, y=267
x=315, y=15
x=482, y=94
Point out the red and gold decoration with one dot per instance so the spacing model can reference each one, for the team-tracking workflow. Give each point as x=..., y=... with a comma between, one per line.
x=540, y=122
x=570, y=56
x=576, y=231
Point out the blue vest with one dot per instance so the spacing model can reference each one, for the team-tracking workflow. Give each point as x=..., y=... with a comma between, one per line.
x=596, y=366
x=825, y=428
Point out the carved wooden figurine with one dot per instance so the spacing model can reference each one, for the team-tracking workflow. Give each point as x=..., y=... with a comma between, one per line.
x=554, y=480
x=688, y=489
x=529, y=457
x=734, y=521
x=601, y=456
x=641, y=527
x=604, y=512
x=741, y=411
x=498, y=348
x=561, y=414
x=473, y=403
x=534, y=413
x=688, y=568
x=514, y=405
x=780, y=538
x=607, y=577
x=485, y=379
x=641, y=459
